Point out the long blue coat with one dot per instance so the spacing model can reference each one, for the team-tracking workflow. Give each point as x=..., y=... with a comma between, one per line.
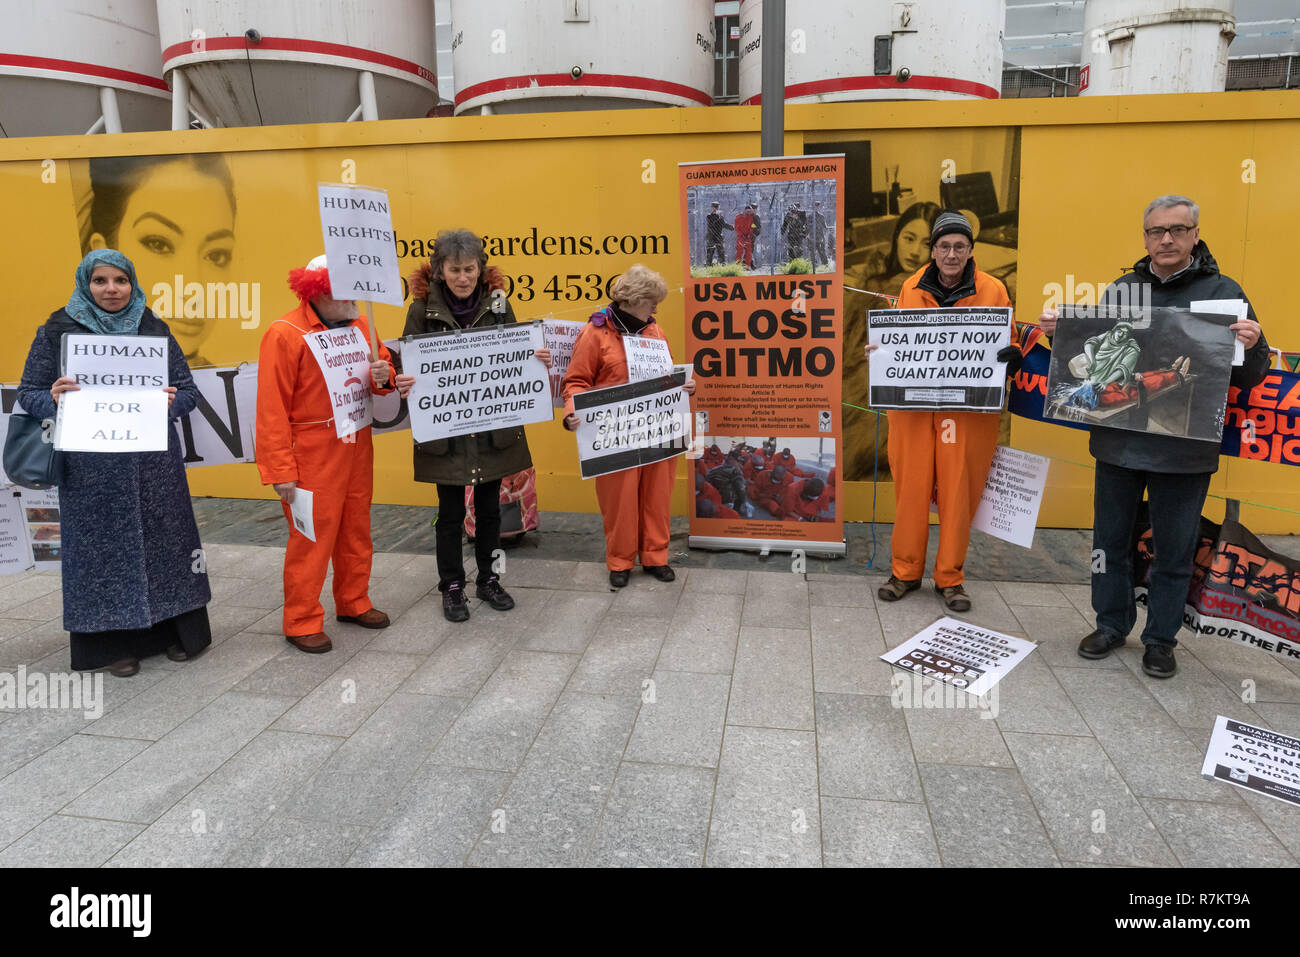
x=131, y=551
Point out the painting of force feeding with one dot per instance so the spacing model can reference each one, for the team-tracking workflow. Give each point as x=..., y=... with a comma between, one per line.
x=1164, y=371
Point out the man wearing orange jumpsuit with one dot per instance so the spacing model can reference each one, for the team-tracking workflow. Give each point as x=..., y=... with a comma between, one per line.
x=634, y=503
x=745, y=236
x=297, y=446
x=950, y=450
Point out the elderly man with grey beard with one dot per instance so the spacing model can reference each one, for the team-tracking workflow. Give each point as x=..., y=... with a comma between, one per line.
x=1173, y=471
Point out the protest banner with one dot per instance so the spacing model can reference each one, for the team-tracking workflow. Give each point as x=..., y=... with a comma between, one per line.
x=120, y=405
x=1158, y=370
x=344, y=360
x=559, y=335
x=1262, y=423
x=1012, y=495
x=15, y=554
x=357, y=226
x=958, y=653
x=388, y=411
x=475, y=380
x=632, y=424
x=41, y=516
x=1255, y=759
x=646, y=358
x=938, y=358
x=1241, y=590
x=764, y=334
x=220, y=429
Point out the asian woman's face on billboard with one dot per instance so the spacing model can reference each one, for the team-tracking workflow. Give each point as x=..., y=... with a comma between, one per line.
x=178, y=222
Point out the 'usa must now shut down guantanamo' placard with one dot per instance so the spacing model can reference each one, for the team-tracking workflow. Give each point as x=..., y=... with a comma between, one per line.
x=938, y=358
x=475, y=380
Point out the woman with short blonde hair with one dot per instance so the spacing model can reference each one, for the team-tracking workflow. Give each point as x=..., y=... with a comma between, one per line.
x=634, y=504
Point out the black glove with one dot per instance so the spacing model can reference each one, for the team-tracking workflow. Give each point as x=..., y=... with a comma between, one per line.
x=1013, y=357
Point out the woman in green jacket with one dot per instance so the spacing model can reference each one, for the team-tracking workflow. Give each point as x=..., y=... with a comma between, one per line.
x=457, y=290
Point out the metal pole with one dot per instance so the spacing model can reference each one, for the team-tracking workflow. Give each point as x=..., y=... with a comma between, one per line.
x=773, y=90
x=369, y=108
x=180, y=100
x=108, y=106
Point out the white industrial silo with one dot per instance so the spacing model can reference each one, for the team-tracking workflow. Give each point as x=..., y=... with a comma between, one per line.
x=879, y=50
x=1155, y=46
x=77, y=66
x=246, y=63
x=512, y=57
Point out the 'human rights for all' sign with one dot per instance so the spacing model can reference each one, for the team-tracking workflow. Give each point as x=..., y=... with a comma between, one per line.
x=637, y=423
x=360, y=246
x=120, y=405
x=938, y=358
x=474, y=380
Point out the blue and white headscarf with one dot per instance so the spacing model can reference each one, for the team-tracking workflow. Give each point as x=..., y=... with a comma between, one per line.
x=83, y=308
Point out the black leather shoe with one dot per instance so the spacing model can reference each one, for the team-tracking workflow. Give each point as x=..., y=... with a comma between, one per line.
x=661, y=572
x=619, y=579
x=1099, y=644
x=454, y=605
x=492, y=593
x=1158, y=661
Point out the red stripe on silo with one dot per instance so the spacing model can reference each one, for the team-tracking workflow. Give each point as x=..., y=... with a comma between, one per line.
x=562, y=81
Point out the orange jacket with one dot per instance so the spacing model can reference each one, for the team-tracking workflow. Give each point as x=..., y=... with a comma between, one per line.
x=599, y=360
x=988, y=292
x=291, y=390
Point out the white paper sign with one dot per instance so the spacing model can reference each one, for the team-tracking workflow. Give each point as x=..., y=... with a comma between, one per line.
x=302, y=513
x=121, y=405
x=559, y=336
x=637, y=423
x=14, y=553
x=220, y=429
x=646, y=358
x=1255, y=759
x=1012, y=495
x=41, y=515
x=474, y=380
x=360, y=246
x=960, y=654
x=938, y=358
x=1236, y=308
x=344, y=360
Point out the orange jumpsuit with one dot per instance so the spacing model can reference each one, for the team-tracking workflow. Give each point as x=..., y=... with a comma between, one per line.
x=296, y=442
x=920, y=459
x=634, y=503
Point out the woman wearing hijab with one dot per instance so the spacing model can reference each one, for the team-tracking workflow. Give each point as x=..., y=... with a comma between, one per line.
x=134, y=583
x=634, y=503
x=458, y=290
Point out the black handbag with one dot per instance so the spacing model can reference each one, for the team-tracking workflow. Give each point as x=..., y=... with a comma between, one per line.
x=30, y=458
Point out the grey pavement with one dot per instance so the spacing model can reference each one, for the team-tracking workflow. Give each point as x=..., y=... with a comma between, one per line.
x=739, y=716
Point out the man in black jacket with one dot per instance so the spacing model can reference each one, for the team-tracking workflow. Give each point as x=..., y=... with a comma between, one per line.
x=714, y=224
x=1175, y=472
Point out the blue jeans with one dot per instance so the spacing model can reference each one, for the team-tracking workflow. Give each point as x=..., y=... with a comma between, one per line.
x=1175, y=502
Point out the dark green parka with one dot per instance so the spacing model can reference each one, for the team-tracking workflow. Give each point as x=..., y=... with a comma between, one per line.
x=481, y=456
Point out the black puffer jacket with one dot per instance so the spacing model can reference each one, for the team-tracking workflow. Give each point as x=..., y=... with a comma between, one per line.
x=1143, y=451
x=481, y=456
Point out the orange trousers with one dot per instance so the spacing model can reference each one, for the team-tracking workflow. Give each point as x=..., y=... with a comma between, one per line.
x=948, y=450
x=340, y=476
x=634, y=505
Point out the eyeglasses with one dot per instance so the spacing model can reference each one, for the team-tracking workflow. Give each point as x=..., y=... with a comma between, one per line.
x=944, y=249
x=1158, y=232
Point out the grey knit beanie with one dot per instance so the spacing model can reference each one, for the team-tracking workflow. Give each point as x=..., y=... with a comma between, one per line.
x=950, y=221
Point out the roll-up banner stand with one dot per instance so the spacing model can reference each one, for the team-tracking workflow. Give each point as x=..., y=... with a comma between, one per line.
x=763, y=241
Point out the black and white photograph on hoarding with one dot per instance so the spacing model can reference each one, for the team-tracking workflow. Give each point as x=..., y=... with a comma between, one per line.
x=762, y=229
x=895, y=183
x=1157, y=370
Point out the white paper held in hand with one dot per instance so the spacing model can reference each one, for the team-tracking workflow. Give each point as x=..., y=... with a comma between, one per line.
x=301, y=511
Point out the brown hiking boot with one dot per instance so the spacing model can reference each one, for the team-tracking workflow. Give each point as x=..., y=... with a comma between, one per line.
x=954, y=597
x=895, y=588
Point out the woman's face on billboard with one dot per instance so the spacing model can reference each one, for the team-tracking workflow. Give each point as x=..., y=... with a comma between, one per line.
x=914, y=246
x=179, y=222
